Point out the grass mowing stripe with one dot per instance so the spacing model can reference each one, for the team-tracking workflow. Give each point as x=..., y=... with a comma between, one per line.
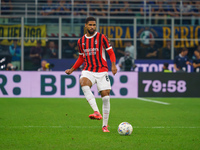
x=54, y=124
x=153, y=101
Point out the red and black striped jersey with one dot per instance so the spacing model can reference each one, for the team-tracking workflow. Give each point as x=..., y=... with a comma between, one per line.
x=93, y=50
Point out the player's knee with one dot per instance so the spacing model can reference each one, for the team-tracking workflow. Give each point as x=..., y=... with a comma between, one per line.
x=105, y=93
x=85, y=82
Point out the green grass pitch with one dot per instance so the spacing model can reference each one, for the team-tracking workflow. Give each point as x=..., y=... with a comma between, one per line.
x=63, y=124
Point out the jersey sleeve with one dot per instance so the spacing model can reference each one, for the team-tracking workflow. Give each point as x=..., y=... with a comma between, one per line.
x=80, y=48
x=106, y=43
x=175, y=60
x=188, y=59
x=195, y=61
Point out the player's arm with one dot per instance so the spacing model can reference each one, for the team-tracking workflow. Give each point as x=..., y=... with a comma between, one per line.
x=151, y=54
x=78, y=62
x=113, y=60
x=195, y=65
x=175, y=67
x=111, y=54
x=175, y=62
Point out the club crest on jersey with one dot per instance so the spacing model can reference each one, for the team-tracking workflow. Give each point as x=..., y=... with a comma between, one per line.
x=83, y=43
x=95, y=41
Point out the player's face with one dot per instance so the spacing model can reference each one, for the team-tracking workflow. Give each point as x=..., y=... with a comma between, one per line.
x=185, y=53
x=43, y=64
x=91, y=27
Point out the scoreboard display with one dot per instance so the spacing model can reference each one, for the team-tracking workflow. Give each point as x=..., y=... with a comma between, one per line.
x=168, y=85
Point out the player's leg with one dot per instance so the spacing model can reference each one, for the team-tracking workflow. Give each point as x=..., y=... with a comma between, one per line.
x=105, y=108
x=104, y=87
x=86, y=85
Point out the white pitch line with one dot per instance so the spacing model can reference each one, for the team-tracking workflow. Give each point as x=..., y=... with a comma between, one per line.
x=89, y=127
x=153, y=101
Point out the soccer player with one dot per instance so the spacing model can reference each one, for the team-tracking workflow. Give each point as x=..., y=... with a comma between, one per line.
x=92, y=47
x=196, y=63
x=181, y=61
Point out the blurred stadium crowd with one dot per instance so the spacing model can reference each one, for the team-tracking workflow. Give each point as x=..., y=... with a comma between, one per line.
x=174, y=8
x=189, y=10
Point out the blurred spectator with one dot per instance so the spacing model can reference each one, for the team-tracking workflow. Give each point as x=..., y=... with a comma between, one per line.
x=100, y=9
x=196, y=63
x=159, y=11
x=63, y=8
x=146, y=9
x=166, y=51
x=36, y=55
x=172, y=10
x=165, y=68
x=152, y=50
x=48, y=9
x=94, y=8
x=51, y=52
x=83, y=8
x=15, y=52
x=129, y=48
x=125, y=8
x=181, y=61
x=186, y=10
x=196, y=52
x=70, y=50
x=44, y=66
x=79, y=8
x=10, y=67
x=114, y=8
x=6, y=7
x=126, y=63
x=196, y=13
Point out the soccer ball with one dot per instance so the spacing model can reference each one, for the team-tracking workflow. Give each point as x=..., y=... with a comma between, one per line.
x=125, y=128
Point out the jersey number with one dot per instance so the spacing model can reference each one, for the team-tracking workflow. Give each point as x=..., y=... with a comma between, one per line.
x=107, y=79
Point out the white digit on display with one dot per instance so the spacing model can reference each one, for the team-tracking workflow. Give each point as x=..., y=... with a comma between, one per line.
x=157, y=86
x=181, y=86
x=148, y=83
x=171, y=86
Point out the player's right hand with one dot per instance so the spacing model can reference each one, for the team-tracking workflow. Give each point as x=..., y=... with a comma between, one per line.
x=114, y=69
x=69, y=71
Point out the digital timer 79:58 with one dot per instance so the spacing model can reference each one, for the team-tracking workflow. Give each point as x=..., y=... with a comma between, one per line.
x=171, y=86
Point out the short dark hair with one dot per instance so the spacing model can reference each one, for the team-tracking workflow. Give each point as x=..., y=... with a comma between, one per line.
x=184, y=49
x=89, y=19
x=166, y=65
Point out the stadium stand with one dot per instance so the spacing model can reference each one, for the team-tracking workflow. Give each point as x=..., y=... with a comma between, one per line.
x=115, y=13
x=110, y=8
